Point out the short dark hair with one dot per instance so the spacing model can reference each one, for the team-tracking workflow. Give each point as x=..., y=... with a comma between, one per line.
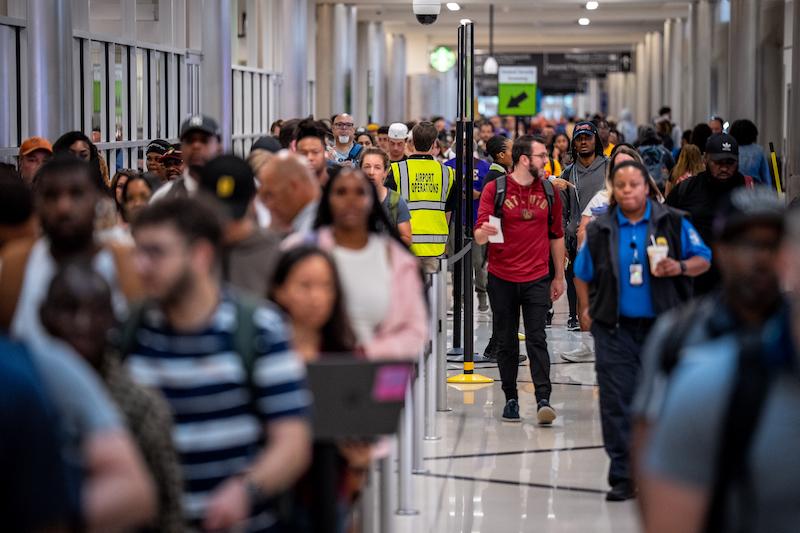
x=374, y=151
x=194, y=218
x=700, y=135
x=687, y=136
x=744, y=131
x=59, y=165
x=496, y=145
x=383, y=130
x=16, y=202
x=486, y=123
x=286, y=135
x=423, y=135
x=310, y=128
x=666, y=110
x=522, y=146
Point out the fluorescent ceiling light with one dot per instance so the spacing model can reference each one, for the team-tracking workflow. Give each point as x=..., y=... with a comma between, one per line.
x=591, y=6
x=583, y=21
x=453, y=6
x=466, y=21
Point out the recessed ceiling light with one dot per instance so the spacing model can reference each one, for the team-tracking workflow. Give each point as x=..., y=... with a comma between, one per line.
x=466, y=21
x=583, y=21
x=591, y=6
x=453, y=6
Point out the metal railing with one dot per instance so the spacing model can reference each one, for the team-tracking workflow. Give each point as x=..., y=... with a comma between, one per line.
x=254, y=100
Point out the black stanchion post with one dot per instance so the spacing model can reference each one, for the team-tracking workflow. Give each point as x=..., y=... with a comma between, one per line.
x=458, y=241
x=465, y=223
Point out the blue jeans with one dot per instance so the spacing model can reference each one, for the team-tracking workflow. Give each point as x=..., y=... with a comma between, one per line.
x=617, y=362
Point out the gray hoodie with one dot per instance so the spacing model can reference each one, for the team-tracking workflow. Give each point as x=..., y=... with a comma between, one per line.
x=587, y=182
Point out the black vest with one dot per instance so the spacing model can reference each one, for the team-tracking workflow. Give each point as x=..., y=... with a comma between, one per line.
x=602, y=238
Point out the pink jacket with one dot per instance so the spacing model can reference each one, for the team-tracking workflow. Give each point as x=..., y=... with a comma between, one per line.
x=404, y=332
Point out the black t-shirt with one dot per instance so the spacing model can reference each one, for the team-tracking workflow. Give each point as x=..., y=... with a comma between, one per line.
x=700, y=196
x=449, y=206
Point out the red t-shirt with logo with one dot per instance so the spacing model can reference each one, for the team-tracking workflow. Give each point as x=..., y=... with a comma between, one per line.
x=525, y=254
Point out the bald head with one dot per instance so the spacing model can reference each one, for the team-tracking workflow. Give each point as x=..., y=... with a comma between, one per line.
x=344, y=129
x=287, y=186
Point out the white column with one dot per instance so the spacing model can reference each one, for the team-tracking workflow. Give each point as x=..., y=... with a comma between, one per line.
x=294, y=91
x=793, y=141
x=325, y=59
x=642, y=86
x=656, y=75
x=742, y=59
x=666, y=62
x=702, y=25
x=675, y=79
x=216, y=93
x=396, y=81
x=49, y=68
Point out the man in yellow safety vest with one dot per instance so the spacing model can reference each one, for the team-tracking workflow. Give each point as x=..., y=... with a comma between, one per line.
x=427, y=186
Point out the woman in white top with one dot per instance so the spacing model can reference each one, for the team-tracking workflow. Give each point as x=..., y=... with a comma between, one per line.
x=599, y=202
x=381, y=279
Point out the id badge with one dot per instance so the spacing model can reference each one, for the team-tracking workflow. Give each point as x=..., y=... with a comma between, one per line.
x=637, y=275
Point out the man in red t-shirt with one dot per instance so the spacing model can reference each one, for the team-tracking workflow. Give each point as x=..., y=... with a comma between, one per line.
x=519, y=272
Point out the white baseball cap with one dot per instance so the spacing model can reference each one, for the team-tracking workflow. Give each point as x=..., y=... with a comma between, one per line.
x=398, y=131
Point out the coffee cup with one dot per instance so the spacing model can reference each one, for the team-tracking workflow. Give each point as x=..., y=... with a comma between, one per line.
x=655, y=254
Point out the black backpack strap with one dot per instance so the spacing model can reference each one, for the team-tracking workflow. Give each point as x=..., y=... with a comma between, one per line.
x=126, y=333
x=244, y=343
x=550, y=195
x=740, y=424
x=500, y=195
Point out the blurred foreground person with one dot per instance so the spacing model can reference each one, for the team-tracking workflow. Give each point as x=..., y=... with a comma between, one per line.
x=225, y=366
x=78, y=311
x=721, y=453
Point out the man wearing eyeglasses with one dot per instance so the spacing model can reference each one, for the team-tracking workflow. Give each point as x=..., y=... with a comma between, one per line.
x=345, y=150
x=701, y=196
x=519, y=269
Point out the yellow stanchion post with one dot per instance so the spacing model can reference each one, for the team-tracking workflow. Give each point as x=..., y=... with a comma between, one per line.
x=775, y=173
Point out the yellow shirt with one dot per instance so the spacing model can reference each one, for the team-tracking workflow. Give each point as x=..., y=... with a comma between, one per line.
x=550, y=171
x=608, y=149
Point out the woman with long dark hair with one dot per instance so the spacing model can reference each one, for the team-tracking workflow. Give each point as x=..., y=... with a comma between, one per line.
x=80, y=146
x=307, y=287
x=380, y=277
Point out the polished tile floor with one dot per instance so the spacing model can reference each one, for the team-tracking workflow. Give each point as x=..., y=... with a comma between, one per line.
x=485, y=475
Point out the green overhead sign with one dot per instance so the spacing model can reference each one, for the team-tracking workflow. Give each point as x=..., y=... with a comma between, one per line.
x=516, y=91
x=443, y=59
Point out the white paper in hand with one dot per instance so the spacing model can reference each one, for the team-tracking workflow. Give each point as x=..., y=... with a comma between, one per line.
x=497, y=239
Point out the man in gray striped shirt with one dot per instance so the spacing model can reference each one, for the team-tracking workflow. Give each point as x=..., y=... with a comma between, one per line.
x=236, y=389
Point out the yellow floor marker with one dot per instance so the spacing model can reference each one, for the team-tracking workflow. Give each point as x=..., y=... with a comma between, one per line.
x=469, y=375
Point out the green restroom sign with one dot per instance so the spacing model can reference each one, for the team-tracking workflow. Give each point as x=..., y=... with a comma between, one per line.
x=516, y=91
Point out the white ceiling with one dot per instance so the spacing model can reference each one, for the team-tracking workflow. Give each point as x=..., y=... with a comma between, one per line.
x=531, y=25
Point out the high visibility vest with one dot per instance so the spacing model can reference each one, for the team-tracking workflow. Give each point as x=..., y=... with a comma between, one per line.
x=424, y=184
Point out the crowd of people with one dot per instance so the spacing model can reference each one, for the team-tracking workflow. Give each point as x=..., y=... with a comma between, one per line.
x=157, y=323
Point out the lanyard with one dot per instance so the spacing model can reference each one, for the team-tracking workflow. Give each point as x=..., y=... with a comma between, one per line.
x=635, y=250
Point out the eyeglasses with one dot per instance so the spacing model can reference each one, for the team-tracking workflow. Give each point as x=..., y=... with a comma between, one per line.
x=343, y=125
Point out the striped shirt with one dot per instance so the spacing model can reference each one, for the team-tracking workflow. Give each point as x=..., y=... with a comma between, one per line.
x=219, y=428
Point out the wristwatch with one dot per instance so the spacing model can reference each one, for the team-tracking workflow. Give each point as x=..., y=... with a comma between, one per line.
x=683, y=268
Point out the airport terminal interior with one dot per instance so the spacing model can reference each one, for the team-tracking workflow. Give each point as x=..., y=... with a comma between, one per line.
x=400, y=266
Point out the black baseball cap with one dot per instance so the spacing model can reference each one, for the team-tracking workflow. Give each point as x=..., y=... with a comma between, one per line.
x=201, y=123
x=268, y=143
x=159, y=146
x=744, y=208
x=722, y=146
x=584, y=128
x=230, y=180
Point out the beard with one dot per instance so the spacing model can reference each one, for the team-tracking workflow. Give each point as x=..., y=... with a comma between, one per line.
x=535, y=172
x=178, y=290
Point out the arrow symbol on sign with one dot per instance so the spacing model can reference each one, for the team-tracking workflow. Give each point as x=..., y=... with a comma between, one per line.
x=515, y=101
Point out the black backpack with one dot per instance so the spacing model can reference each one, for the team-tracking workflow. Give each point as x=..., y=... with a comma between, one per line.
x=500, y=198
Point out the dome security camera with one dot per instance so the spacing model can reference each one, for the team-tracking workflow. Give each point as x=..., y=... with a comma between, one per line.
x=427, y=11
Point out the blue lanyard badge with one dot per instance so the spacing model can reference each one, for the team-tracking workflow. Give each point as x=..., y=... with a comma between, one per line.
x=636, y=268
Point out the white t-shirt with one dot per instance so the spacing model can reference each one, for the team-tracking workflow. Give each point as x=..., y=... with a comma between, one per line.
x=598, y=200
x=39, y=272
x=366, y=280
